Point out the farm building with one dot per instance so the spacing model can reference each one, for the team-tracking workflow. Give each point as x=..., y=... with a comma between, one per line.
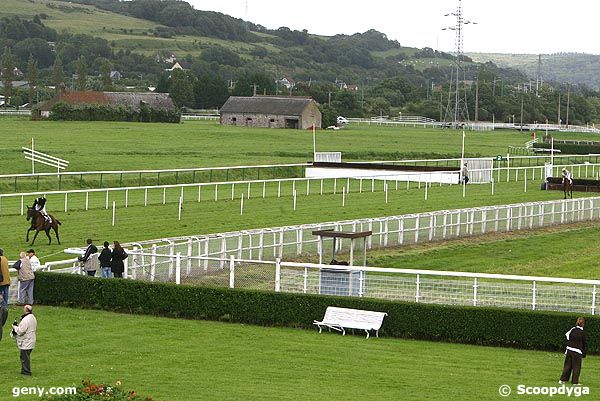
x=271, y=112
x=131, y=99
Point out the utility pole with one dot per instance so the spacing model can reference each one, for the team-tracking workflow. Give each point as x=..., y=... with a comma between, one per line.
x=522, y=97
x=568, y=101
x=457, y=113
x=329, y=98
x=538, y=80
x=477, y=99
x=254, y=89
x=558, y=117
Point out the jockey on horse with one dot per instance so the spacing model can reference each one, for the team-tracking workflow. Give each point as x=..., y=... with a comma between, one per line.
x=566, y=176
x=40, y=205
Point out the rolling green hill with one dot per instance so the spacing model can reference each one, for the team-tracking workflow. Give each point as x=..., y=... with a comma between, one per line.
x=575, y=68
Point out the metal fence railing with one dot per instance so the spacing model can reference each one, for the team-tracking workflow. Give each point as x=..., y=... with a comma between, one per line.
x=427, y=286
x=293, y=242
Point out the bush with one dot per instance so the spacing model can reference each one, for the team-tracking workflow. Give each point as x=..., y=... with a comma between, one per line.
x=473, y=325
x=571, y=148
x=103, y=112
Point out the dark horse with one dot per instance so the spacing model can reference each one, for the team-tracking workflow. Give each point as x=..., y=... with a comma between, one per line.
x=39, y=223
x=567, y=187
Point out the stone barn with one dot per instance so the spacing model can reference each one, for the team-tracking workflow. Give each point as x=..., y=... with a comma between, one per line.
x=271, y=112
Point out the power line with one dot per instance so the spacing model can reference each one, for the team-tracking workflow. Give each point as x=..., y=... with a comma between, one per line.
x=457, y=112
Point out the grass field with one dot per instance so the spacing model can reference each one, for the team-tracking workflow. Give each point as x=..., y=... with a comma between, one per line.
x=99, y=145
x=134, y=146
x=181, y=360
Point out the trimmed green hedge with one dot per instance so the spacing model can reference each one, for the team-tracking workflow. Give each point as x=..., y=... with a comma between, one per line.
x=571, y=148
x=105, y=112
x=472, y=325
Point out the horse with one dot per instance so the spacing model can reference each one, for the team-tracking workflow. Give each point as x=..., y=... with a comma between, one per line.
x=567, y=187
x=39, y=223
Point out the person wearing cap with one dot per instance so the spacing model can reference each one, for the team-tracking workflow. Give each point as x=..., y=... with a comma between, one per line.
x=24, y=333
x=566, y=175
x=575, y=352
x=4, y=280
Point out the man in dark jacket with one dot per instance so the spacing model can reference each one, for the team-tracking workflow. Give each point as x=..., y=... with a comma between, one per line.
x=576, y=348
x=104, y=258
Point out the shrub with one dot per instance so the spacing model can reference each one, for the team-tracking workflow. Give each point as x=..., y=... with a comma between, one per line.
x=104, y=112
x=105, y=392
x=473, y=325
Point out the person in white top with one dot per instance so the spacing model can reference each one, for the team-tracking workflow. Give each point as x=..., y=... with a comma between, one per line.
x=24, y=333
x=33, y=260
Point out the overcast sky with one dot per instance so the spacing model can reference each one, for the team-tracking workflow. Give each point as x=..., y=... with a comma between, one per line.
x=508, y=26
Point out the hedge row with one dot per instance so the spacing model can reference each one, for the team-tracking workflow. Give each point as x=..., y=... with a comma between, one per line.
x=105, y=112
x=571, y=148
x=472, y=325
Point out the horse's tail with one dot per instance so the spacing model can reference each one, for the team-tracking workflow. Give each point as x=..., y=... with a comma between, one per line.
x=58, y=221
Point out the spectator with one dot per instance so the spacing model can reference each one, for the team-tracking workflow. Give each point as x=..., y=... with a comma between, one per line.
x=104, y=258
x=35, y=262
x=26, y=278
x=90, y=258
x=24, y=334
x=118, y=256
x=576, y=349
x=3, y=317
x=465, y=173
x=5, y=280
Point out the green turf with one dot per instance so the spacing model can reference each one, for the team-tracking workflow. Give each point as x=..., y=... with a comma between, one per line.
x=180, y=360
x=570, y=251
x=156, y=220
x=135, y=146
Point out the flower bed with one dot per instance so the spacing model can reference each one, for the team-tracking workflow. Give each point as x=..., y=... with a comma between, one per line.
x=89, y=391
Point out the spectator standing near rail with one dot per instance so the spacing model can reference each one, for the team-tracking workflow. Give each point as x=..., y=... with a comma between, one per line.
x=90, y=258
x=576, y=349
x=5, y=280
x=118, y=256
x=25, y=334
x=33, y=260
x=464, y=172
x=26, y=278
x=104, y=258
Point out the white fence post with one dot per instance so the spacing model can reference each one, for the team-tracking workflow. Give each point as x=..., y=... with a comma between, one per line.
x=178, y=268
x=114, y=207
x=277, y=275
x=231, y=272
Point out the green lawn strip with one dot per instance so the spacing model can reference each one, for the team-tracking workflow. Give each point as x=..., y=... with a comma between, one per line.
x=136, y=222
x=561, y=251
x=134, y=146
x=190, y=360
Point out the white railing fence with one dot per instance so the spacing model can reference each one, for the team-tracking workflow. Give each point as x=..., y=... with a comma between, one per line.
x=427, y=286
x=61, y=266
x=293, y=242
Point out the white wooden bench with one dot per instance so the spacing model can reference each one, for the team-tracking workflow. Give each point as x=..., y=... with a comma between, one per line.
x=343, y=318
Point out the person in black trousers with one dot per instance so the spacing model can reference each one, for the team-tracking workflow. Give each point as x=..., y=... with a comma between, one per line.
x=576, y=348
x=118, y=256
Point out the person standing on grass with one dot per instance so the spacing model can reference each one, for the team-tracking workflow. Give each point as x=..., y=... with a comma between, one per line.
x=26, y=278
x=118, y=256
x=464, y=172
x=5, y=280
x=25, y=334
x=104, y=258
x=90, y=258
x=3, y=317
x=576, y=349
